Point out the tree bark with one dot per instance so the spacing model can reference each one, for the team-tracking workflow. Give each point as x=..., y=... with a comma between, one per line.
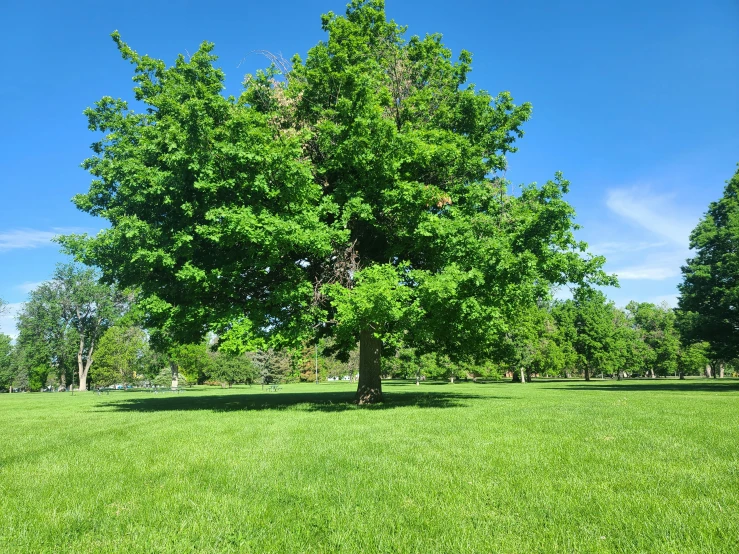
x=587, y=373
x=682, y=374
x=708, y=370
x=175, y=375
x=81, y=365
x=651, y=373
x=369, y=390
x=523, y=376
x=721, y=371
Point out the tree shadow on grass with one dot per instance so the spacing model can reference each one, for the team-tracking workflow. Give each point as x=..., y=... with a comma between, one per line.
x=310, y=402
x=656, y=385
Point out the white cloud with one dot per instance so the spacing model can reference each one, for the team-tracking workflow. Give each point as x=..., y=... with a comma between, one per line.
x=670, y=299
x=31, y=238
x=662, y=246
x=562, y=293
x=603, y=248
x=24, y=238
x=653, y=213
x=28, y=286
x=657, y=266
x=651, y=273
x=7, y=319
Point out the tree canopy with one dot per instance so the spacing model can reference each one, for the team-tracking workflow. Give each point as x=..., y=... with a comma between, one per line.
x=658, y=332
x=709, y=292
x=6, y=362
x=358, y=193
x=64, y=319
x=121, y=356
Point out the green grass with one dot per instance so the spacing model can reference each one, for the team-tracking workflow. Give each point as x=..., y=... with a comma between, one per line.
x=638, y=466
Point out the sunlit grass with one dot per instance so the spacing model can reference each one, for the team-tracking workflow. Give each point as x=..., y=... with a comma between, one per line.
x=549, y=466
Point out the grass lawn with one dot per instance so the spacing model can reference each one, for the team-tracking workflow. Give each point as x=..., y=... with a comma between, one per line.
x=642, y=466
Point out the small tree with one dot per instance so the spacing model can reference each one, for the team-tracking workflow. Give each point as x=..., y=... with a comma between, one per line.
x=120, y=356
x=693, y=359
x=271, y=366
x=657, y=329
x=194, y=361
x=230, y=369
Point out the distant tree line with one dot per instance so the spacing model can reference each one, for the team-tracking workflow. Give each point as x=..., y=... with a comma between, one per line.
x=75, y=331
x=583, y=337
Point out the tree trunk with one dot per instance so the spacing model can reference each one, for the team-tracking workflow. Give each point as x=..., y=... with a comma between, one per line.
x=523, y=376
x=708, y=370
x=175, y=375
x=81, y=366
x=587, y=373
x=651, y=373
x=721, y=371
x=682, y=374
x=369, y=390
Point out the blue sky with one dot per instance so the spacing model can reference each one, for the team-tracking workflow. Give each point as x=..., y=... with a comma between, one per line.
x=636, y=102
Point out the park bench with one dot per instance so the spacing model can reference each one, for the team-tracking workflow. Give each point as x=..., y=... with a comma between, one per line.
x=158, y=390
x=106, y=390
x=273, y=387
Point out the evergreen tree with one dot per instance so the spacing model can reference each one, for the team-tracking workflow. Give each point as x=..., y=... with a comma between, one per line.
x=709, y=292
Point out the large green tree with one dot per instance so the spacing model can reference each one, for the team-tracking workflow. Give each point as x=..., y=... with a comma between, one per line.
x=709, y=292
x=47, y=335
x=62, y=322
x=357, y=193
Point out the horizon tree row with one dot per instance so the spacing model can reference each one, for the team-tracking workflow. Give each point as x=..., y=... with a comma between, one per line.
x=584, y=336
